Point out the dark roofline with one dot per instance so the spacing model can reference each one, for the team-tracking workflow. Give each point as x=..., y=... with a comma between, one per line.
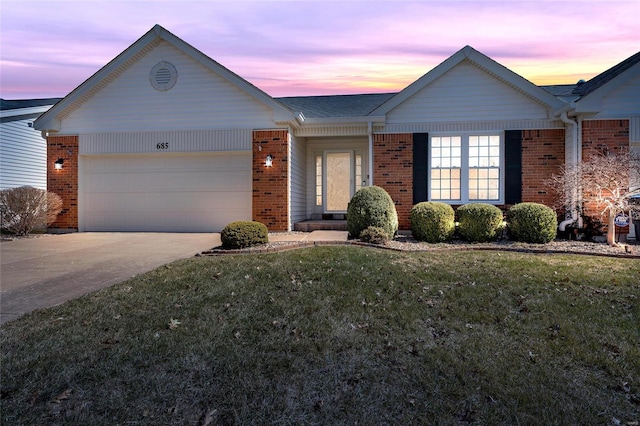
x=603, y=78
x=9, y=104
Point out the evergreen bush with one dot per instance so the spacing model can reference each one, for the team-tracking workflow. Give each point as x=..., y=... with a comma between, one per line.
x=242, y=234
x=374, y=235
x=479, y=222
x=371, y=206
x=532, y=223
x=432, y=221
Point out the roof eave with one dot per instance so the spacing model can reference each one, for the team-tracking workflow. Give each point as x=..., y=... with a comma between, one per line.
x=24, y=111
x=592, y=101
x=50, y=120
x=47, y=123
x=378, y=119
x=485, y=63
x=223, y=72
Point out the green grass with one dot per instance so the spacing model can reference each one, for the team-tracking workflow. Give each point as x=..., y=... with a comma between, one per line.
x=337, y=335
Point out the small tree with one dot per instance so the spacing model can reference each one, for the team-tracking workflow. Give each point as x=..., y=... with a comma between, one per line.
x=25, y=208
x=607, y=181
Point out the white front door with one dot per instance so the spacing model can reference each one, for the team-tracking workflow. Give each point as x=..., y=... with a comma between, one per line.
x=338, y=181
x=339, y=174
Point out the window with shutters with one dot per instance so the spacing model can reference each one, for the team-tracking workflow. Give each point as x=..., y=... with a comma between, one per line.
x=466, y=168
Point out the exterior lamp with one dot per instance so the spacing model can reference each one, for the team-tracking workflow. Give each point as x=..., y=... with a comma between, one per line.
x=268, y=162
x=58, y=164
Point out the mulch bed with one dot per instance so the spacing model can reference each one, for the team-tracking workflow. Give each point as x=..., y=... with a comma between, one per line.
x=408, y=243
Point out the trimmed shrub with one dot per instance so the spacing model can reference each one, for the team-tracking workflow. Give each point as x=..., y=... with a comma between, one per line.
x=532, y=223
x=26, y=208
x=242, y=234
x=479, y=222
x=374, y=235
x=371, y=206
x=432, y=221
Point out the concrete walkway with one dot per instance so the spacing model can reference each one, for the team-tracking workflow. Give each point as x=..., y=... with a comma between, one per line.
x=310, y=236
x=48, y=270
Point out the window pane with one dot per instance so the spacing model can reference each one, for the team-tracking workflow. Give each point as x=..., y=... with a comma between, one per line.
x=318, y=180
x=484, y=167
x=358, y=172
x=482, y=160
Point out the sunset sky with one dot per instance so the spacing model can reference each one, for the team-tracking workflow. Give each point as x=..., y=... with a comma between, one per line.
x=289, y=48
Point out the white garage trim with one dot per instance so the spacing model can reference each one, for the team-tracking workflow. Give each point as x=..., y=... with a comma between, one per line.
x=169, y=141
x=166, y=192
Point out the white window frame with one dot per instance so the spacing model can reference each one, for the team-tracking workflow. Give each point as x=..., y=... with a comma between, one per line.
x=464, y=169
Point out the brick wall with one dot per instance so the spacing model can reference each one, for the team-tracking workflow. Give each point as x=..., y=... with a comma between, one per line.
x=543, y=154
x=393, y=171
x=64, y=182
x=270, y=186
x=612, y=135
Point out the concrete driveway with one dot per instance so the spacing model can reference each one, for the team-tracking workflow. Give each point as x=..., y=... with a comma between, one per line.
x=48, y=270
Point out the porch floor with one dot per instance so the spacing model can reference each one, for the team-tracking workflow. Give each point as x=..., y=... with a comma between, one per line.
x=320, y=225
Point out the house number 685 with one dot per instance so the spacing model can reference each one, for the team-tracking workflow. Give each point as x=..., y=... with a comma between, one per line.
x=162, y=145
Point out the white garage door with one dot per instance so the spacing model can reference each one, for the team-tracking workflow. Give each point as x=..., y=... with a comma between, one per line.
x=164, y=193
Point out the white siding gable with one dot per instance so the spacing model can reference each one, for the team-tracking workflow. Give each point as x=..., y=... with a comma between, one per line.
x=465, y=94
x=623, y=101
x=200, y=99
x=23, y=154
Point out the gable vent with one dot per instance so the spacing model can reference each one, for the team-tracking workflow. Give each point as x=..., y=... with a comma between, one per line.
x=163, y=76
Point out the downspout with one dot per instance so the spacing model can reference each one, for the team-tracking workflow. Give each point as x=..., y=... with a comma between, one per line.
x=574, y=158
x=370, y=134
x=290, y=141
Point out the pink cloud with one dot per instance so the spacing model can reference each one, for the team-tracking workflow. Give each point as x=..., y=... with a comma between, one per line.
x=317, y=47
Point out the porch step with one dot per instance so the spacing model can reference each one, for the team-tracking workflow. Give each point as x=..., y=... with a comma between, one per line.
x=320, y=225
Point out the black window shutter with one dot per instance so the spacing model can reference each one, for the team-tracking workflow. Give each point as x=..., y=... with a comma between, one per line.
x=420, y=167
x=513, y=166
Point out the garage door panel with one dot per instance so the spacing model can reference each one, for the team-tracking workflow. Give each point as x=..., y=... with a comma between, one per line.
x=167, y=162
x=180, y=193
x=159, y=202
x=168, y=181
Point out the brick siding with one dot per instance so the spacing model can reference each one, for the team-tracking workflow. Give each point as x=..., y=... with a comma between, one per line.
x=543, y=154
x=393, y=171
x=64, y=182
x=270, y=185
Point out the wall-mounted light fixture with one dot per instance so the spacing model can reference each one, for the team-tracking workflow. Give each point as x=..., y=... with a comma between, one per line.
x=268, y=162
x=58, y=164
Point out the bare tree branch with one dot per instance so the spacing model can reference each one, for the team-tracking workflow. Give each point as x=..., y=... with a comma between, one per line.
x=609, y=182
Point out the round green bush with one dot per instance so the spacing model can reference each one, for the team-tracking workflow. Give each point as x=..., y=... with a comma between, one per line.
x=432, y=221
x=371, y=206
x=374, y=235
x=479, y=222
x=241, y=234
x=532, y=223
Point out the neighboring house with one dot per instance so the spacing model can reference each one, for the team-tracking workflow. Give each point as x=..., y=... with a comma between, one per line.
x=163, y=138
x=23, y=150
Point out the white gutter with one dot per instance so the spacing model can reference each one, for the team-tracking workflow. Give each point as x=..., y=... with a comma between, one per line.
x=573, y=158
x=346, y=120
x=370, y=134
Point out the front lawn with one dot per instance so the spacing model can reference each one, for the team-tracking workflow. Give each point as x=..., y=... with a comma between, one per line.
x=337, y=335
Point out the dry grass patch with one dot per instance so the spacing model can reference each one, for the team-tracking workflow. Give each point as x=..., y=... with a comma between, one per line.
x=338, y=335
